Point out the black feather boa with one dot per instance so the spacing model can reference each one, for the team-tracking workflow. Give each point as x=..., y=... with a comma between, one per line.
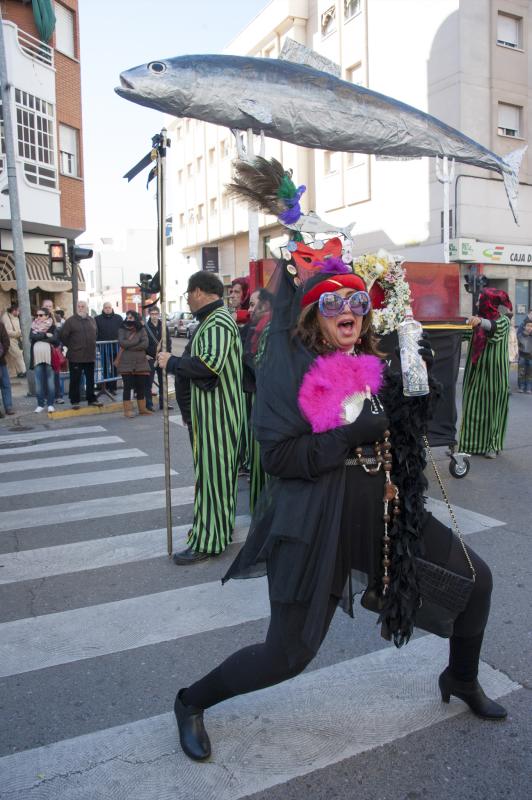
x=408, y=422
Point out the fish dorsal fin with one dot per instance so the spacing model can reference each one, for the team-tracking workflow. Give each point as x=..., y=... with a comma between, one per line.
x=255, y=110
x=299, y=54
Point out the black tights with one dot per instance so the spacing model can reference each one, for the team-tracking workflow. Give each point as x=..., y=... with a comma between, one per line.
x=265, y=664
x=136, y=382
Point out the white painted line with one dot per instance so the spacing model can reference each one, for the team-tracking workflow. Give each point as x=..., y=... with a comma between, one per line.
x=15, y=438
x=259, y=740
x=42, y=562
x=70, y=444
x=66, y=461
x=66, y=636
x=468, y=521
x=92, y=509
x=82, y=479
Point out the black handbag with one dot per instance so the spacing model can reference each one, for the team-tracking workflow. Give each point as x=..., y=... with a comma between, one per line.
x=444, y=594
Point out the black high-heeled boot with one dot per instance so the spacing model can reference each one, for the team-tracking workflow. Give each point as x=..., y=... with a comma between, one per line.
x=472, y=694
x=192, y=734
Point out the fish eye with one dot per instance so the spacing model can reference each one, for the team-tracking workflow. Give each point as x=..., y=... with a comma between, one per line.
x=157, y=67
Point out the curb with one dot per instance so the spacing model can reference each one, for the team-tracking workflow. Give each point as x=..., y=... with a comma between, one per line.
x=86, y=411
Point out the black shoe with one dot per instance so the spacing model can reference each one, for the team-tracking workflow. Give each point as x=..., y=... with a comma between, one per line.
x=189, y=556
x=192, y=734
x=472, y=694
x=21, y=374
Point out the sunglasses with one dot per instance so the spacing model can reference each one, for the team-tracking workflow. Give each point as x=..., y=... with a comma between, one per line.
x=41, y=315
x=331, y=304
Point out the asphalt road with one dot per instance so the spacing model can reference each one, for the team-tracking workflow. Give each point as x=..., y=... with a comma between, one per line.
x=98, y=629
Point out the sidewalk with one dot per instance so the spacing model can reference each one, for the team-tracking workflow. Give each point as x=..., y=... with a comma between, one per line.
x=24, y=407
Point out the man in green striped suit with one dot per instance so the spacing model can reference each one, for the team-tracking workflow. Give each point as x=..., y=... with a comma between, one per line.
x=213, y=365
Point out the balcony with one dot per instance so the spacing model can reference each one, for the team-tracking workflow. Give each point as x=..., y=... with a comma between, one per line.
x=35, y=49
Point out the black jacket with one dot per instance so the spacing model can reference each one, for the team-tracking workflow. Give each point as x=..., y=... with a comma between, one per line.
x=108, y=325
x=155, y=333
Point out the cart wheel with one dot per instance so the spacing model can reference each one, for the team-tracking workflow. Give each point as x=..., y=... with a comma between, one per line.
x=459, y=470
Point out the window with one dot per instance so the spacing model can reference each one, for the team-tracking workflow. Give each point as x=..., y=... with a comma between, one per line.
x=509, y=30
x=351, y=8
x=354, y=74
x=201, y=212
x=189, y=170
x=68, y=151
x=168, y=230
x=330, y=162
x=35, y=140
x=355, y=159
x=442, y=224
x=213, y=206
x=187, y=126
x=212, y=153
x=64, y=30
x=181, y=220
x=199, y=164
x=509, y=120
x=225, y=201
x=328, y=21
x=191, y=215
x=180, y=176
x=178, y=132
x=224, y=149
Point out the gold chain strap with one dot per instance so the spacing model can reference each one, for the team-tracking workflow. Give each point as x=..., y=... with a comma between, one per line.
x=450, y=510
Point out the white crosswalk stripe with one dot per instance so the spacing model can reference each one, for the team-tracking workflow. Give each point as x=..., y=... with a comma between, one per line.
x=260, y=740
x=36, y=436
x=93, y=509
x=81, y=479
x=23, y=465
x=273, y=736
x=70, y=444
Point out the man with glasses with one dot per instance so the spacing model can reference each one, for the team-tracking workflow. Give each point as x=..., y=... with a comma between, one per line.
x=154, y=329
x=213, y=367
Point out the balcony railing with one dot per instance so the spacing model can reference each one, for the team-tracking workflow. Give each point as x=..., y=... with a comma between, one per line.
x=35, y=49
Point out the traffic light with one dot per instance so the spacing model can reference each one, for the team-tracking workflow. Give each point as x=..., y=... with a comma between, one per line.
x=80, y=253
x=57, y=259
x=149, y=284
x=482, y=282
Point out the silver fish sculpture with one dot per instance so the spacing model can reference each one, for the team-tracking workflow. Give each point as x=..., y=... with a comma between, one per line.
x=305, y=106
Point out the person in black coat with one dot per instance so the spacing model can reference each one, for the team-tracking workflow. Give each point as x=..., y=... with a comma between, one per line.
x=154, y=329
x=108, y=324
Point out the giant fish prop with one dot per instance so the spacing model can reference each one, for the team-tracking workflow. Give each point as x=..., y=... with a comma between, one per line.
x=305, y=106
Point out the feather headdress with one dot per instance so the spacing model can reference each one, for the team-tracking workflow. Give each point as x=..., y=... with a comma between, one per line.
x=266, y=185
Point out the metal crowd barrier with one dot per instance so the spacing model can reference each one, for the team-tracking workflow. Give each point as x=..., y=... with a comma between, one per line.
x=104, y=369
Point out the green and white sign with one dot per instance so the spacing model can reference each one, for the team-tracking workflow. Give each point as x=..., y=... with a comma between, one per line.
x=490, y=252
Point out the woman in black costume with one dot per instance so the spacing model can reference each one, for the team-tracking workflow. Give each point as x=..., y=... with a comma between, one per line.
x=318, y=529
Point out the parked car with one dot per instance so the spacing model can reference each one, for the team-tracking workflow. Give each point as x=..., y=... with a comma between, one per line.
x=178, y=326
x=192, y=328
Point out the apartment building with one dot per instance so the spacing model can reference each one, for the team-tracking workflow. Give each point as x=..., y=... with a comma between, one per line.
x=46, y=113
x=466, y=62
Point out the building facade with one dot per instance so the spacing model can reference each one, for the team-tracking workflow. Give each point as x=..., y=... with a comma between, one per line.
x=466, y=62
x=47, y=122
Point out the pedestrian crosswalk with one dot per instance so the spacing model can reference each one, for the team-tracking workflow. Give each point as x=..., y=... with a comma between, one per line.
x=347, y=707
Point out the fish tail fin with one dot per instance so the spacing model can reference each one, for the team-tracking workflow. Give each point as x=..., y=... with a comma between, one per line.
x=347, y=230
x=511, y=177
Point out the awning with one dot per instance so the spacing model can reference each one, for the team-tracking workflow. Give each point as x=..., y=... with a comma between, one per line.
x=38, y=272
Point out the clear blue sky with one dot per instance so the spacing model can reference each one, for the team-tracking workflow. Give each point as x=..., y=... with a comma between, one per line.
x=117, y=35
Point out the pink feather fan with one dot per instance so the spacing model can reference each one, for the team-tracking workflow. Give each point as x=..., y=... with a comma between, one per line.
x=331, y=381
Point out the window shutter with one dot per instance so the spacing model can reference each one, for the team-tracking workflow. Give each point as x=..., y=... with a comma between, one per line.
x=64, y=30
x=508, y=117
x=508, y=30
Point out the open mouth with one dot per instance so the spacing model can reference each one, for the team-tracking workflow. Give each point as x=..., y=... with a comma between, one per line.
x=346, y=326
x=125, y=84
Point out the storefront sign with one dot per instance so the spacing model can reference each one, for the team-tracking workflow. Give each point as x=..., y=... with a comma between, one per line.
x=209, y=259
x=490, y=252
